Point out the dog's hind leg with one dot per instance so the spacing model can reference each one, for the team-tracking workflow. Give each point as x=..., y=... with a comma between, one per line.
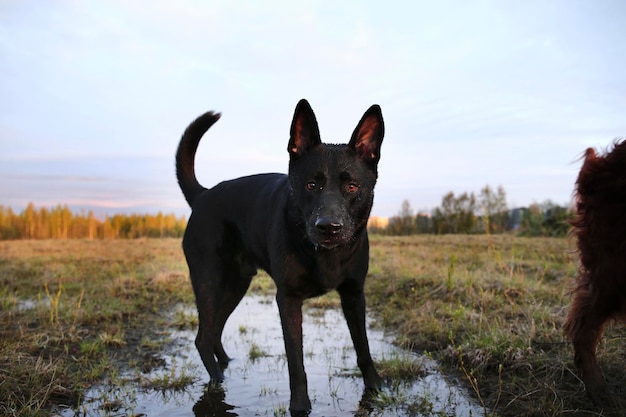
x=220, y=274
x=353, y=305
x=235, y=288
x=207, y=339
x=218, y=291
x=584, y=326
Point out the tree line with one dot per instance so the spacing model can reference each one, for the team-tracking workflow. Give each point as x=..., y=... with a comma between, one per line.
x=487, y=212
x=61, y=223
x=466, y=213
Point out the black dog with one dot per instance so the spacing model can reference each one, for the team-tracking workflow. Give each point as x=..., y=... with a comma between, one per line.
x=307, y=229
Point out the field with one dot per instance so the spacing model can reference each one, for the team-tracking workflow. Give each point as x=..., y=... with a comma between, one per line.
x=489, y=309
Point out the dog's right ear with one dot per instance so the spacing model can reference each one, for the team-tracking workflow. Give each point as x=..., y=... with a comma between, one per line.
x=368, y=135
x=305, y=132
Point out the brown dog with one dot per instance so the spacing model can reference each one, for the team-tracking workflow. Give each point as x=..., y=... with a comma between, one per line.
x=600, y=293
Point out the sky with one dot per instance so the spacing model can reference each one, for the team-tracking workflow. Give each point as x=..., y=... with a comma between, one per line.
x=94, y=95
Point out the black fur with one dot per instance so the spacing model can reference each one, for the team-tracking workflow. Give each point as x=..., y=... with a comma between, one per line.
x=307, y=229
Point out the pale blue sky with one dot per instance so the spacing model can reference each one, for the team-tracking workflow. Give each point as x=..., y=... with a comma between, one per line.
x=94, y=95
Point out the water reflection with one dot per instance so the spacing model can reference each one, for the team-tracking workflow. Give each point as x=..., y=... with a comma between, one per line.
x=256, y=380
x=212, y=403
x=260, y=386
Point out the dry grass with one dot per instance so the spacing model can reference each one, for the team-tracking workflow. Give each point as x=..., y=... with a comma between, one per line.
x=75, y=310
x=490, y=310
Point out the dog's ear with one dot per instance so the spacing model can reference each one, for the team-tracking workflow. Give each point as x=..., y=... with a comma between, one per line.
x=590, y=154
x=368, y=135
x=305, y=132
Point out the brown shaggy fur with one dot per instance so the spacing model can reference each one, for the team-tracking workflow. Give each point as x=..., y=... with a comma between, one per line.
x=600, y=229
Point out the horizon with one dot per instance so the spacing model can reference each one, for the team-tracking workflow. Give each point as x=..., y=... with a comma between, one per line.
x=102, y=213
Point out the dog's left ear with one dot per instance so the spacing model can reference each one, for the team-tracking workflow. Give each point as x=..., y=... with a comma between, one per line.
x=305, y=132
x=368, y=135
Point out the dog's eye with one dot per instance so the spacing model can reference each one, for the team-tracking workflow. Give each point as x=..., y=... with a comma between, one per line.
x=352, y=187
x=311, y=185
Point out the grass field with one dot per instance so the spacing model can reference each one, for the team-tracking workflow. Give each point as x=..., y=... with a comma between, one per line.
x=490, y=309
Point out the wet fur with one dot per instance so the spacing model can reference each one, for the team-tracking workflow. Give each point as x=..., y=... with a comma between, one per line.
x=307, y=229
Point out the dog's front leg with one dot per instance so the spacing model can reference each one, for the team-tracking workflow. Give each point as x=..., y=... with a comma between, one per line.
x=290, y=309
x=353, y=305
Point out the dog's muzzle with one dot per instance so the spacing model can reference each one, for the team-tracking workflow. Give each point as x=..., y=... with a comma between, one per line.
x=328, y=232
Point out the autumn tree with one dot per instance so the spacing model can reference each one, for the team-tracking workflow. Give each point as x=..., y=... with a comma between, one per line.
x=494, y=209
x=545, y=219
x=456, y=214
x=61, y=223
x=403, y=223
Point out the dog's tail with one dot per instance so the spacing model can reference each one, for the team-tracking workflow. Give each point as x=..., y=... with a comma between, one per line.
x=185, y=155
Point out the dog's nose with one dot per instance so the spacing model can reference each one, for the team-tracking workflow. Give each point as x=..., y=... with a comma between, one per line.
x=328, y=225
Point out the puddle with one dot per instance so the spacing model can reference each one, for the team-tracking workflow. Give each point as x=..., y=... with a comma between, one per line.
x=259, y=386
x=27, y=304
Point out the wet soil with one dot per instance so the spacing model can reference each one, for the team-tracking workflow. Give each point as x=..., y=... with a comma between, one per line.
x=256, y=380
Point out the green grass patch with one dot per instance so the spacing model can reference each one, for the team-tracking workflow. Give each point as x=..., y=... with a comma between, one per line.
x=175, y=378
x=400, y=367
x=256, y=352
